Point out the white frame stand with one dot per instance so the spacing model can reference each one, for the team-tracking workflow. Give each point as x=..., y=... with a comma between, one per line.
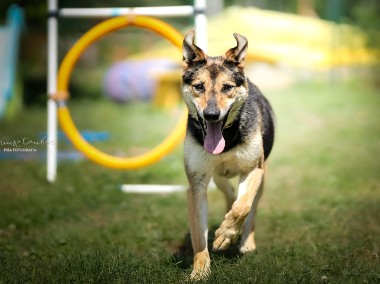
x=200, y=22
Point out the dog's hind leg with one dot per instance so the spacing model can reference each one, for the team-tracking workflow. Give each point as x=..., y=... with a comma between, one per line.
x=225, y=186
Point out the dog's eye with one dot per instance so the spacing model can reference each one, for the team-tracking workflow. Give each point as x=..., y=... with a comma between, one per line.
x=226, y=88
x=199, y=87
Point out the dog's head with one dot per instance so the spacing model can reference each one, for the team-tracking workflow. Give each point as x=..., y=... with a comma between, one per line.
x=214, y=88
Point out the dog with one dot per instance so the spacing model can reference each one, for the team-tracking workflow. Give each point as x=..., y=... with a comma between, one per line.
x=230, y=132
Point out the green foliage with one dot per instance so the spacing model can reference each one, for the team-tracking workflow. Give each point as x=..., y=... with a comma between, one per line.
x=367, y=17
x=318, y=219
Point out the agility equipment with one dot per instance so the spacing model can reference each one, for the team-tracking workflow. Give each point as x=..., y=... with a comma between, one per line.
x=132, y=80
x=151, y=188
x=64, y=73
x=54, y=12
x=10, y=34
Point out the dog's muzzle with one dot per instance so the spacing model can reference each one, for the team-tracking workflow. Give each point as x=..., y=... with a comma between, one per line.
x=211, y=114
x=214, y=142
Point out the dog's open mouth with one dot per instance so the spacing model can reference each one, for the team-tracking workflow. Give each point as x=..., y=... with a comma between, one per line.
x=214, y=142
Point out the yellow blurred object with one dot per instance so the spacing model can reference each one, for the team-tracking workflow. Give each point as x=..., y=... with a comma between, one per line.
x=276, y=37
x=131, y=163
x=66, y=122
x=168, y=91
x=295, y=40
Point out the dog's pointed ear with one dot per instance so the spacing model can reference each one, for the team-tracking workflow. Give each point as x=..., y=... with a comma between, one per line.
x=237, y=53
x=190, y=51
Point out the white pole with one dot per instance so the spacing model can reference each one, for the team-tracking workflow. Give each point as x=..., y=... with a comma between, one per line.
x=200, y=19
x=164, y=11
x=52, y=88
x=151, y=188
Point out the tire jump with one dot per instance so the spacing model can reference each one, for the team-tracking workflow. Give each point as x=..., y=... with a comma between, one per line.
x=130, y=163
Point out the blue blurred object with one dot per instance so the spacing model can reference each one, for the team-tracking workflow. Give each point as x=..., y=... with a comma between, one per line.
x=38, y=155
x=88, y=135
x=134, y=80
x=9, y=46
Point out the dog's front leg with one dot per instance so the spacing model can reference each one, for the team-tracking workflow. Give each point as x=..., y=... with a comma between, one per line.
x=197, y=206
x=199, y=171
x=230, y=228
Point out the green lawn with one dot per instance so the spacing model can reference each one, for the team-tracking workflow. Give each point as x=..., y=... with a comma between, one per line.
x=319, y=218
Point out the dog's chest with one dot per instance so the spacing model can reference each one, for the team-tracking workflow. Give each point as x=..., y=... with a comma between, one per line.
x=242, y=159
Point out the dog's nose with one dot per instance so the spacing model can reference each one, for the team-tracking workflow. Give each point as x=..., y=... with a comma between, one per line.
x=211, y=114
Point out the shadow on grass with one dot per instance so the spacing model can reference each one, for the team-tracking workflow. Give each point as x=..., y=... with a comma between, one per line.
x=183, y=257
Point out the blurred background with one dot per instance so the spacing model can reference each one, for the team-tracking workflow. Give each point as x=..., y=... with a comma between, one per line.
x=309, y=37
x=318, y=63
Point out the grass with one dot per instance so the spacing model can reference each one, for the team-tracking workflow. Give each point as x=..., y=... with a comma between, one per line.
x=318, y=220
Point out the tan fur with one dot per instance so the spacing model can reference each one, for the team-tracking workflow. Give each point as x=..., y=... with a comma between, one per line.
x=246, y=160
x=224, y=101
x=213, y=89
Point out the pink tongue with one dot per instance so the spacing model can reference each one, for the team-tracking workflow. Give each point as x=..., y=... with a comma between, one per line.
x=214, y=141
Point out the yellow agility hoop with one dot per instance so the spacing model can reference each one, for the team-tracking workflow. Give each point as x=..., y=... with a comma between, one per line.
x=66, y=122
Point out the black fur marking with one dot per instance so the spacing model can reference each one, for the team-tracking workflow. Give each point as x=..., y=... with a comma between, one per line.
x=231, y=65
x=194, y=66
x=268, y=126
x=196, y=129
x=188, y=77
x=192, y=53
x=239, y=79
x=237, y=73
x=266, y=112
x=214, y=70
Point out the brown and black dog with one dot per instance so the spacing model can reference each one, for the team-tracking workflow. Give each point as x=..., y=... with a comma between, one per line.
x=230, y=132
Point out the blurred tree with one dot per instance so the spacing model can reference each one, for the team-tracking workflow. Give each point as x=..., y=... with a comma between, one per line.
x=306, y=8
x=363, y=13
x=367, y=16
x=35, y=12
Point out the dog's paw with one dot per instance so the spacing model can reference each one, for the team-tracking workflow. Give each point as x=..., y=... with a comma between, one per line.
x=224, y=237
x=221, y=243
x=201, y=267
x=199, y=275
x=247, y=248
x=228, y=232
x=248, y=244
